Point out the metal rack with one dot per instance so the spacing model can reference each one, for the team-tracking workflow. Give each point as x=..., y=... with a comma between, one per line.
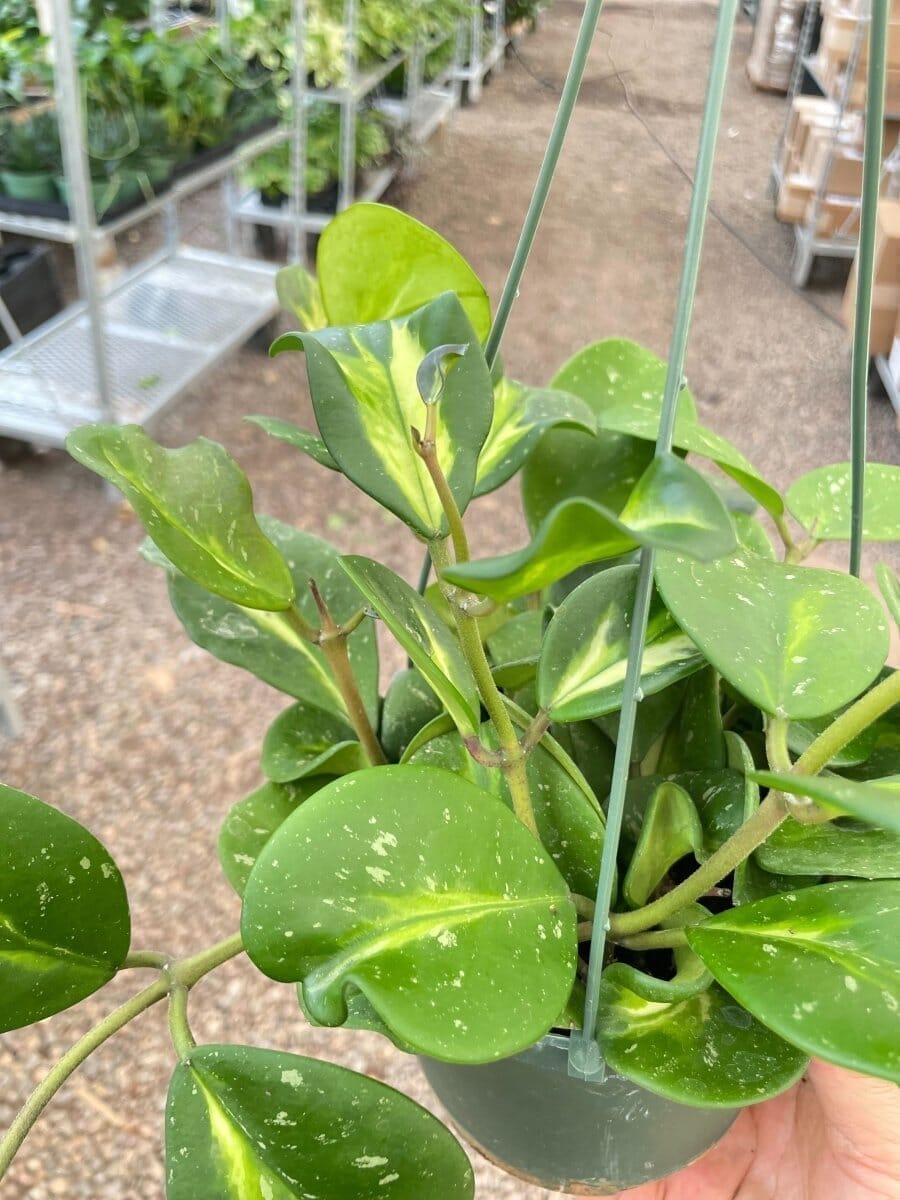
x=487, y=45
x=125, y=353
x=809, y=243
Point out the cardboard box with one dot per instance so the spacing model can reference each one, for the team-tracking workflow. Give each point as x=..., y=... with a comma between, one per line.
x=839, y=33
x=886, y=289
x=796, y=198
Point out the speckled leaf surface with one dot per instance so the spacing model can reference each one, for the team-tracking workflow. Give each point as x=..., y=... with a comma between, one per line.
x=797, y=641
x=64, y=922
x=425, y=638
x=752, y=535
x=671, y=830
x=694, y=741
x=428, y=895
x=585, y=653
x=196, y=505
x=301, y=439
x=252, y=821
x=375, y=262
x=363, y=382
x=304, y=740
x=409, y=705
x=568, y=816
x=624, y=382
x=521, y=416
x=802, y=734
x=889, y=583
x=820, y=967
x=844, y=848
x=877, y=802
x=267, y=644
x=250, y=1124
x=821, y=502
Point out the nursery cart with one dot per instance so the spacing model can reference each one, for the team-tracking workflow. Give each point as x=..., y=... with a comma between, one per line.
x=487, y=44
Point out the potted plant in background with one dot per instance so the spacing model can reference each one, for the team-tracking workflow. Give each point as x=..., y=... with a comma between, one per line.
x=30, y=155
x=423, y=863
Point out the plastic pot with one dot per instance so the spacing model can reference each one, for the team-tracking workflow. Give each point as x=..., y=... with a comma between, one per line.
x=527, y=1115
x=28, y=185
x=158, y=170
x=103, y=192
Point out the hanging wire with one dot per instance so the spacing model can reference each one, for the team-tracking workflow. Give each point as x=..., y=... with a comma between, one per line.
x=585, y=1056
x=865, y=270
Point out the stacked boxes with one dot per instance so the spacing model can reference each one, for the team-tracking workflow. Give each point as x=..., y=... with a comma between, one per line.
x=841, y=25
x=886, y=282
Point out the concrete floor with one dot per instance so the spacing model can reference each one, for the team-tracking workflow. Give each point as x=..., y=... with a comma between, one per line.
x=138, y=734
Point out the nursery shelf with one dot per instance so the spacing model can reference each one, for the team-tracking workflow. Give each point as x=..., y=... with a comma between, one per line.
x=166, y=324
x=251, y=208
x=362, y=85
x=432, y=107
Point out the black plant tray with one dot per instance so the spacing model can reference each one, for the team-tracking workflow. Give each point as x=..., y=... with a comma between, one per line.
x=205, y=158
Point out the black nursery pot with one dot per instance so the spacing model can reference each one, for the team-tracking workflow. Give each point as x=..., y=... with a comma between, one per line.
x=527, y=1115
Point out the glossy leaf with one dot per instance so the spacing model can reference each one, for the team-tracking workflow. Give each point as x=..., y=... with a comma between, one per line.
x=252, y=821
x=591, y=751
x=268, y=645
x=243, y=1123
x=821, y=502
x=375, y=263
x=671, y=830
x=797, y=641
x=301, y=439
x=845, y=848
x=409, y=882
x=196, y=505
x=654, y=716
x=428, y=642
x=802, y=734
x=64, y=922
x=752, y=535
x=521, y=417
x=584, y=658
x=515, y=649
x=689, y=978
x=304, y=740
x=367, y=402
x=673, y=507
x=694, y=741
x=889, y=582
x=623, y=383
x=567, y=815
x=299, y=293
x=831, y=983
x=877, y=803
x=409, y=706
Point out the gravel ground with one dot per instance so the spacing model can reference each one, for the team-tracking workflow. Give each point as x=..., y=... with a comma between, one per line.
x=137, y=733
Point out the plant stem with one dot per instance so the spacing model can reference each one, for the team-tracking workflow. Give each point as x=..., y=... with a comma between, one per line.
x=658, y=939
x=153, y=959
x=185, y=973
x=515, y=760
x=427, y=451
x=770, y=814
x=584, y=905
x=776, y=744
x=883, y=697
x=532, y=736
x=180, y=1030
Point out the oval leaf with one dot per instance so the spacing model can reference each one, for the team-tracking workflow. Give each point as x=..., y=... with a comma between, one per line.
x=301, y=439
x=366, y=400
x=305, y=740
x=64, y=922
x=797, y=641
x=848, y=848
x=429, y=896
x=821, y=502
x=585, y=654
x=243, y=1123
x=670, y=831
x=252, y=821
x=428, y=642
x=196, y=505
x=820, y=967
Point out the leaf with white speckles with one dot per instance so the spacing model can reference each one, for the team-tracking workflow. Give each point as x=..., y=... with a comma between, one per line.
x=670, y=831
x=821, y=501
x=845, y=847
x=305, y=740
x=428, y=895
x=64, y=922
x=409, y=705
x=797, y=641
x=584, y=657
x=252, y=821
x=196, y=505
x=820, y=967
x=250, y=1124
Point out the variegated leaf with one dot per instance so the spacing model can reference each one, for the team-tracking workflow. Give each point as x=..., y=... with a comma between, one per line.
x=821, y=501
x=299, y=293
x=305, y=740
x=670, y=831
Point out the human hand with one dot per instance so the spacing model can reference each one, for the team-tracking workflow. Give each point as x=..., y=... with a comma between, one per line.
x=834, y=1136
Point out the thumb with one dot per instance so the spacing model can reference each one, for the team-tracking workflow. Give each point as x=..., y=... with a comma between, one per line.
x=862, y=1114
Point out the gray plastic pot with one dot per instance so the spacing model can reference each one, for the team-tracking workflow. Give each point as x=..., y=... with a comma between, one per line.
x=531, y=1118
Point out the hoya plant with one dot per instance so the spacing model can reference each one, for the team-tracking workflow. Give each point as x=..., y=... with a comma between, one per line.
x=422, y=854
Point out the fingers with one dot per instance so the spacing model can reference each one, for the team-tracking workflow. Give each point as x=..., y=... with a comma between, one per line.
x=862, y=1113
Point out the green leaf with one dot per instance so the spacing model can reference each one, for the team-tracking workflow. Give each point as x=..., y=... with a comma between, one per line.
x=889, y=582
x=521, y=417
x=252, y=821
x=243, y=1123
x=301, y=439
x=655, y=713
x=267, y=644
x=695, y=741
x=797, y=641
x=64, y=922
x=623, y=383
x=673, y=507
x=299, y=293
x=585, y=655
x=830, y=982
x=305, y=740
x=591, y=751
x=515, y=649
x=366, y=400
x=196, y=505
x=752, y=535
x=690, y=976
x=567, y=814
x=705, y=1050
x=846, y=848
x=411, y=883
x=821, y=502
x=427, y=641
x=878, y=803
x=671, y=830
x=409, y=706
x=802, y=734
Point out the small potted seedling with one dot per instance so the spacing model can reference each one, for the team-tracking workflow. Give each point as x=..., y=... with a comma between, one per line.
x=30, y=155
